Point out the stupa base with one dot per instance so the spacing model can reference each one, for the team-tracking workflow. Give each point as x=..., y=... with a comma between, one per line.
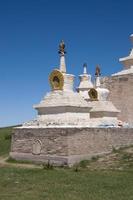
x=66, y=146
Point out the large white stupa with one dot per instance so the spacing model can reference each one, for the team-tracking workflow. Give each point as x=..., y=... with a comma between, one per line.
x=63, y=107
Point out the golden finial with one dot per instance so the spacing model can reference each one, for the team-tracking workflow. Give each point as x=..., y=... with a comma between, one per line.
x=62, y=48
x=98, y=73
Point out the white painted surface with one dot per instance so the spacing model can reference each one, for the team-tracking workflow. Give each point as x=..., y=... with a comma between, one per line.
x=123, y=72
x=102, y=93
x=62, y=63
x=97, y=81
x=85, y=84
x=68, y=82
x=62, y=98
x=101, y=106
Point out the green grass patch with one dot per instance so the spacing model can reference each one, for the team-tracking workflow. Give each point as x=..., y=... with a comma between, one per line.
x=64, y=184
x=127, y=157
x=85, y=163
x=5, y=140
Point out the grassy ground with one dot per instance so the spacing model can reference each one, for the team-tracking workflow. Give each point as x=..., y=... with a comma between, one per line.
x=120, y=159
x=64, y=184
x=5, y=141
x=103, y=178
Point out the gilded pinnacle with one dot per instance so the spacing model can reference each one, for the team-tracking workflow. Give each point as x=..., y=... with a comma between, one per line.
x=98, y=73
x=62, y=48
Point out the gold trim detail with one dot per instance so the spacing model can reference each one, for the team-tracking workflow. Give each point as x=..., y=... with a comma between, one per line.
x=93, y=94
x=56, y=80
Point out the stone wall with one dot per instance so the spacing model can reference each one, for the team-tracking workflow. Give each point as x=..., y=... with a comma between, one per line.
x=53, y=141
x=121, y=94
x=65, y=146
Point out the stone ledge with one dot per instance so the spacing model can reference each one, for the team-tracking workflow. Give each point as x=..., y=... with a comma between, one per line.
x=53, y=160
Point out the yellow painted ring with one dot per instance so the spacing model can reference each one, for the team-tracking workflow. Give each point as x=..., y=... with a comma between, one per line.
x=93, y=94
x=56, y=80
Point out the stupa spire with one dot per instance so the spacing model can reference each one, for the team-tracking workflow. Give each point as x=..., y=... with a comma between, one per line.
x=131, y=36
x=97, y=75
x=62, y=53
x=84, y=68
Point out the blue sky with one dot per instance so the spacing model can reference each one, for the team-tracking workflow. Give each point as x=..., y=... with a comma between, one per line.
x=95, y=32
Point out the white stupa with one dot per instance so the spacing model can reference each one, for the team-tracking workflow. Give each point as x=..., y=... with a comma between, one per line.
x=61, y=106
x=103, y=112
x=127, y=63
x=85, y=83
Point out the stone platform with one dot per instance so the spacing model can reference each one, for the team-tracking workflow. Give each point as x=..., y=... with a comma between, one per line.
x=66, y=146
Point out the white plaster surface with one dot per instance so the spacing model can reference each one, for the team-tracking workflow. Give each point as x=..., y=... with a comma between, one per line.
x=62, y=63
x=62, y=98
x=84, y=94
x=68, y=82
x=85, y=82
x=102, y=93
x=61, y=119
x=97, y=81
x=102, y=106
x=61, y=108
x=79, y=122
x=124, y=72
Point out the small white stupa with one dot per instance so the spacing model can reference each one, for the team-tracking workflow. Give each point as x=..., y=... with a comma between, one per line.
x=85, y=83
x=127, y=63
x=103, y=112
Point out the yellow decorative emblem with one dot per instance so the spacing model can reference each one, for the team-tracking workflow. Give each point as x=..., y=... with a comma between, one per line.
x=56, y=79
x=93, y=94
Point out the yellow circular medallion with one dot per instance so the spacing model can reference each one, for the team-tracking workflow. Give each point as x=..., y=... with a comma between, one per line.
x=93, y=94
x=56, y=79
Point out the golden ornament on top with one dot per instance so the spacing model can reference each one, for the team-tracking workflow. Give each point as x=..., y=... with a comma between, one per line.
x=93, y=94
x=56, y=79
